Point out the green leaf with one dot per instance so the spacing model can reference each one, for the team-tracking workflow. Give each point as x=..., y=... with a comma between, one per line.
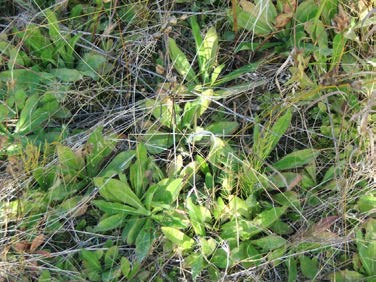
x=180, y=62
x=270, y=242
x=93, y=65
x=309, y=267
x=237, y=73
x=207, y=52
x=196, y=263
x=91, y=259
x=306, y=11
x=367, y=247
x=119, y=164
x=288, y=199
x=207, y=246
x=144, y=241
x=45, y=276
x=339, y=43
x=244, y=229
x=98, y=147
x=116, y=191
x=292, y=269
x=71, y=163
x=109, y=223
x=138, y=169
x=53, y=26
x=116, y=208
x=25, y=121
x=296, y=159
x=347, y=276
x=251, y=20
x=367, y=203
x=67, y=75
x=246, y=254
x=164, y=110
x=168, y=191
x=223, y=127
x=125, y=266
x=198, y=215
x=178, y=238
x=272, y=136
x=111, y=256
x=132, y=229
x=221, y=258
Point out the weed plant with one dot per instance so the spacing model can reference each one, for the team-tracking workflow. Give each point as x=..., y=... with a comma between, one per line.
x=187, y=140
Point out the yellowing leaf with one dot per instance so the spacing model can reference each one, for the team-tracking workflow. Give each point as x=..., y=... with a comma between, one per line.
x=178, y=238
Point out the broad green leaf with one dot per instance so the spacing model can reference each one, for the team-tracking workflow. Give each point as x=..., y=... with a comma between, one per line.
x=53, y=26
x=34, y=39
x=347, y=276
x=306, y=11
x=117, y=208
x=132, y=229
x=237, y=73
x=296, y=159
x=125, y=266
x=215, y=74
x=109, y=223
x=196, y=263
x=308, y=266
x=180, y=62
x=199, y=215
x=178, y=238
x=223, y=127
x=164, y=110
x=250, y=20
x=144, y=241
x=168, y=191
x=92, y=259
x=111, y=256
x=116, y=191
x=93, y=65
x=281, y=228
x=328, y=10
x=367, y=247
x=113, y=274
x=367, y=203
x=71, y=163
x=67, y=75
x=207, y=246
x=288, y=199
x=270, y=242
x=238, y=207
x=292, y=269
x=138, y=169
x=221, y=258
x=273, y=135
x=45, y=276
x=207, y=52
x=98, y=148
x=246, y=254
x=25, y=117
x=190, y=114
x=120, y=163
x=339, y=43
x=244, y=229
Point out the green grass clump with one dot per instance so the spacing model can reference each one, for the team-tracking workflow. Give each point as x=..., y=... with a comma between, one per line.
x=199, y=141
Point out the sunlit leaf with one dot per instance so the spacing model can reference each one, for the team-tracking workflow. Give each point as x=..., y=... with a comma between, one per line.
x=178, y=238
x=181, y=62
x=110, y=223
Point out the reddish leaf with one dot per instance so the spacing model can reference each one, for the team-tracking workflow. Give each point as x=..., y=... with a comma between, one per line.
x=37, y=242
x=21, y=246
